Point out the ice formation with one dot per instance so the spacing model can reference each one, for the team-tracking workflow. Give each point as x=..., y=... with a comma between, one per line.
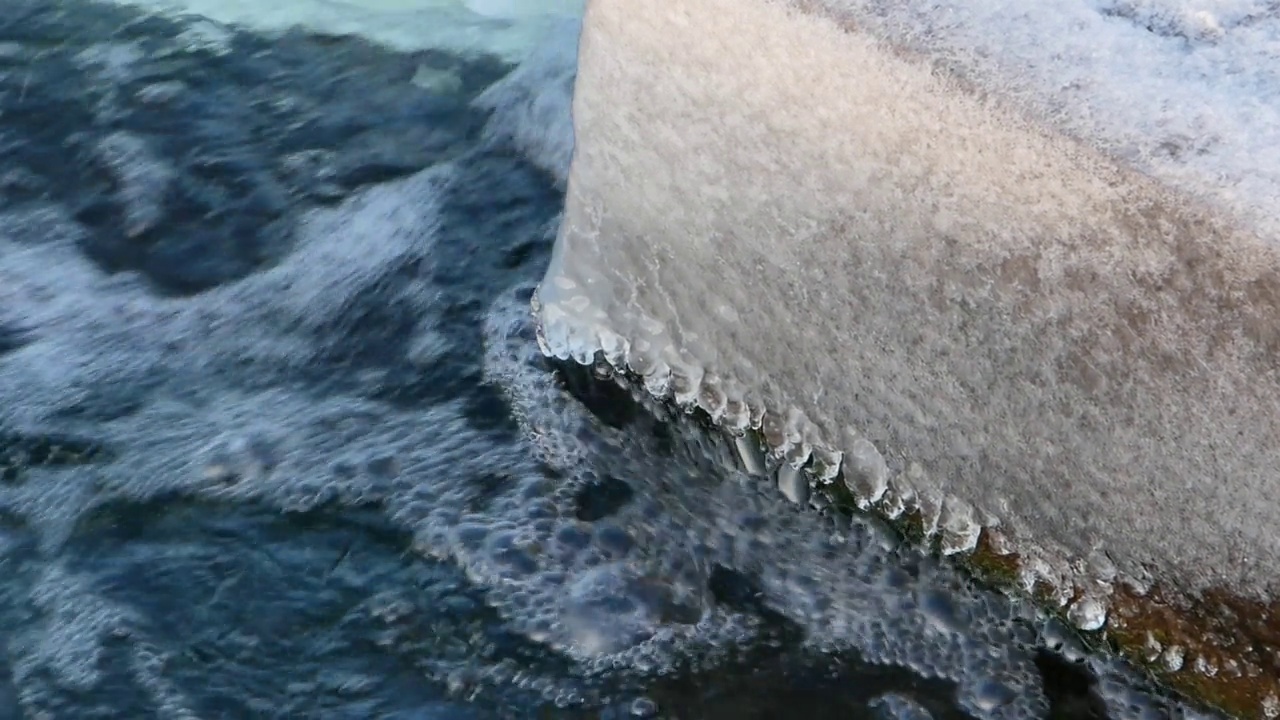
x=1020, y=301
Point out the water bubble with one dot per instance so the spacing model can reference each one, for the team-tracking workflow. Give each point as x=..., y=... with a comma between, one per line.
x=991, y=694
x=643, y=707
x=894, y=706
x=939, y=607
x=613, y=541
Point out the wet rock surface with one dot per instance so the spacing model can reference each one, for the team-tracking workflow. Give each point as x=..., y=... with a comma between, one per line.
x=278, y=440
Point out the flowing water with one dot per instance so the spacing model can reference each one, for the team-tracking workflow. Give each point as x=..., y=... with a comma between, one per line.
x=276, y=439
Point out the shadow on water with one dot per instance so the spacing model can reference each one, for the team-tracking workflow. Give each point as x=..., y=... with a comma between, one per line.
x=317, y=614
x=328, y=613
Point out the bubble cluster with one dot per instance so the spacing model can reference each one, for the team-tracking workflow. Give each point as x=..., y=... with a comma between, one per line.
x=892, y=706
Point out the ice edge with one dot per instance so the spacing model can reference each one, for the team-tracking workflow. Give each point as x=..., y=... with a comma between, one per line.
x=781, y=443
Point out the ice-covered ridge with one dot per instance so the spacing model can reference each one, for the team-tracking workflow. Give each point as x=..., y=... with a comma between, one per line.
x=611, y=289
x=784, y=445
x=772, y=439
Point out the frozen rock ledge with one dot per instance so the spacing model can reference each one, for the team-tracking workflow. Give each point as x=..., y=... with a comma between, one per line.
x=955, y=258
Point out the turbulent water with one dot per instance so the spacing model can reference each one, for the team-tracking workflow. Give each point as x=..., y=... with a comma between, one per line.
x=276, y=439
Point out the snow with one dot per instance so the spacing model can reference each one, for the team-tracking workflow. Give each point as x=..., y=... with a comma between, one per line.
x=1185, y=90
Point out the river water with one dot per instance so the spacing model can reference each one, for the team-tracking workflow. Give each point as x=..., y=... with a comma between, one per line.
x=276, y=440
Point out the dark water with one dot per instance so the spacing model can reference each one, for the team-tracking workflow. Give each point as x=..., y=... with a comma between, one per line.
x=277, y=441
